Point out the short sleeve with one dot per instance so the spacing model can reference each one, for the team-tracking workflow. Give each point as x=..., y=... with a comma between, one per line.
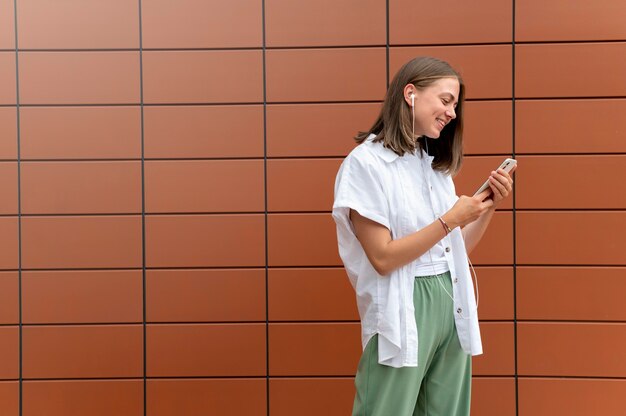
x=359, y=187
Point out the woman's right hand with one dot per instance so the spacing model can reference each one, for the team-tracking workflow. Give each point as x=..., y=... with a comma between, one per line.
x=468, y=209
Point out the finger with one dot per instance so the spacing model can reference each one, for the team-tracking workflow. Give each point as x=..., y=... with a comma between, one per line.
x=498, y=188
x=487, y=204
x=484, y=194
x=508, y=175
x=503, y=178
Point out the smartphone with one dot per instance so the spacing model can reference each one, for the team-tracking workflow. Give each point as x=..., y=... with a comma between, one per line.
x=506, y=166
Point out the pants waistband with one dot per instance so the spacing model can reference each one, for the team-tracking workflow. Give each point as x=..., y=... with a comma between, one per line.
x=434, y=276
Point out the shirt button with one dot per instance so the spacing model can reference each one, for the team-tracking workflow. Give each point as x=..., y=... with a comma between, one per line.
x=456, y=280
x=459, y=310
x=447, y=249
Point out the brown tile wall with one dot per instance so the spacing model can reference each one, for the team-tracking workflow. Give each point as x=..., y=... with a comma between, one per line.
x=166, y=175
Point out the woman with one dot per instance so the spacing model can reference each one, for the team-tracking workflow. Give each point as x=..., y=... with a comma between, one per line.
x=404, y=237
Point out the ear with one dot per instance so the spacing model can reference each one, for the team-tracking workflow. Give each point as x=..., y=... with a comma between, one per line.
x=409, y=89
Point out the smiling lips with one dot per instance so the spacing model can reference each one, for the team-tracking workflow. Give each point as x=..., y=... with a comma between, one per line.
x=441, y=123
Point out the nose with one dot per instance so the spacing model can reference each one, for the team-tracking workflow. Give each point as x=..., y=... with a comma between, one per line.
x=451, y=114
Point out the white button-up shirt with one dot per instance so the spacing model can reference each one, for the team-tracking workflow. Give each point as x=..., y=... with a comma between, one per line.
x=404, y=194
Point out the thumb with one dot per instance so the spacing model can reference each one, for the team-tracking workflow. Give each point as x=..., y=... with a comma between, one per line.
x=483, y=195
x=487, y=203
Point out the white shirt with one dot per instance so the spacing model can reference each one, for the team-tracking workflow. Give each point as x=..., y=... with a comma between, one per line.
x=404, y=194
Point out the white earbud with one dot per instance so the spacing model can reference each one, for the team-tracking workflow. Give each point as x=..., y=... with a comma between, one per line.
x=412, y=100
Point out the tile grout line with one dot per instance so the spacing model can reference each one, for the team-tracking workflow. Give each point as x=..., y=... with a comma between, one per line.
x=387, y=42
x=265, y=216
x=143, y=218
x=19, y=221
x=514, y=225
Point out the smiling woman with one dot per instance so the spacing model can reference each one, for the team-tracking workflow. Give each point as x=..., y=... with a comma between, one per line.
x=438, y=93
x=399, y=224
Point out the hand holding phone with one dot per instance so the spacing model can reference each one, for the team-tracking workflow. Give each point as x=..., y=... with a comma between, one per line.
x=506, y=166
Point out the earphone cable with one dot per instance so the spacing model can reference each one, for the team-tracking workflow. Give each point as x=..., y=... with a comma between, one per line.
x=430, y=255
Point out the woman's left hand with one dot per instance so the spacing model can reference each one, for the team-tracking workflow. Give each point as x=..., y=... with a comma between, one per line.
x=501, y=185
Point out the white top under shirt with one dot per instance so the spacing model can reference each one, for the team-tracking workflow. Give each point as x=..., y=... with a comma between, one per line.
x=392, y=191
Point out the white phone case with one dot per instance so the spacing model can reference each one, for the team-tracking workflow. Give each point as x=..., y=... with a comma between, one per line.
x=507, y=165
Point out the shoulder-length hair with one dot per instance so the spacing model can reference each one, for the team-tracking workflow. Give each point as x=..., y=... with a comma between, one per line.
x=393, y=126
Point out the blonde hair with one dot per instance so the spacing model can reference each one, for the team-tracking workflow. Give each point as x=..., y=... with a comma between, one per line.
x=393, y=126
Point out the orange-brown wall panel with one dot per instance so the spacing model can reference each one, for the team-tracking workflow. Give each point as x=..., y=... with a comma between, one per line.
x=562, y=70
x=205, y=295
x=227, y=76
x=325, y=23
x=323, y=294
x=80, y=132
x=486, y=70
x=570, y=126
x=311, y=396
x=496, y=245
x=10, y=397
x=572, y=397
x=9, y=298
x=7, y=78
x=102, y=24
x=302, y=240
x=205, y=240
x=572, y=182
x=80, y=187
x=84, y=397
x=9, y=235
x=82, y=297
x=325, y=74
x=495, y=288
x=498, y=358
x=601, y=301
x=230, y=130
x=8, y=132
x=105, y=351
x=316, y=129
x=224, y=397
x=567, y=20
x=202, y=24
x=7, y=24
x=475, y=171
x=8, y=188
x=571, y=237
x=81, y=242
x=493, y=396
x=487, y=127
x=571, y=349
x=79, y=77
x=206, y=350
x=10, y=351
x=203, y=131
x=204, y=186
x=421, y=22
x=331, y=349
x=301, y=184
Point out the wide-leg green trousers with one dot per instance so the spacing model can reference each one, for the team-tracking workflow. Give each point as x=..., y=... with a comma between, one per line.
x=441, y=383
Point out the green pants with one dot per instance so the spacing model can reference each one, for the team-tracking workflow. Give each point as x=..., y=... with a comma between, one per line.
x=441, y=383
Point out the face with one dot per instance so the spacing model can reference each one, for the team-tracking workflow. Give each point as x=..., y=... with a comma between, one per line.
x=435, y=106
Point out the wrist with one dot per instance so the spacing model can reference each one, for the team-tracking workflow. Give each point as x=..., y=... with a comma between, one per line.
x=449, y=221
x=447, y=230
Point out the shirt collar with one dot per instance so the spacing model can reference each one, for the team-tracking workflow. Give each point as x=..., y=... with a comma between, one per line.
x=386, y=154
x=381, y=151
